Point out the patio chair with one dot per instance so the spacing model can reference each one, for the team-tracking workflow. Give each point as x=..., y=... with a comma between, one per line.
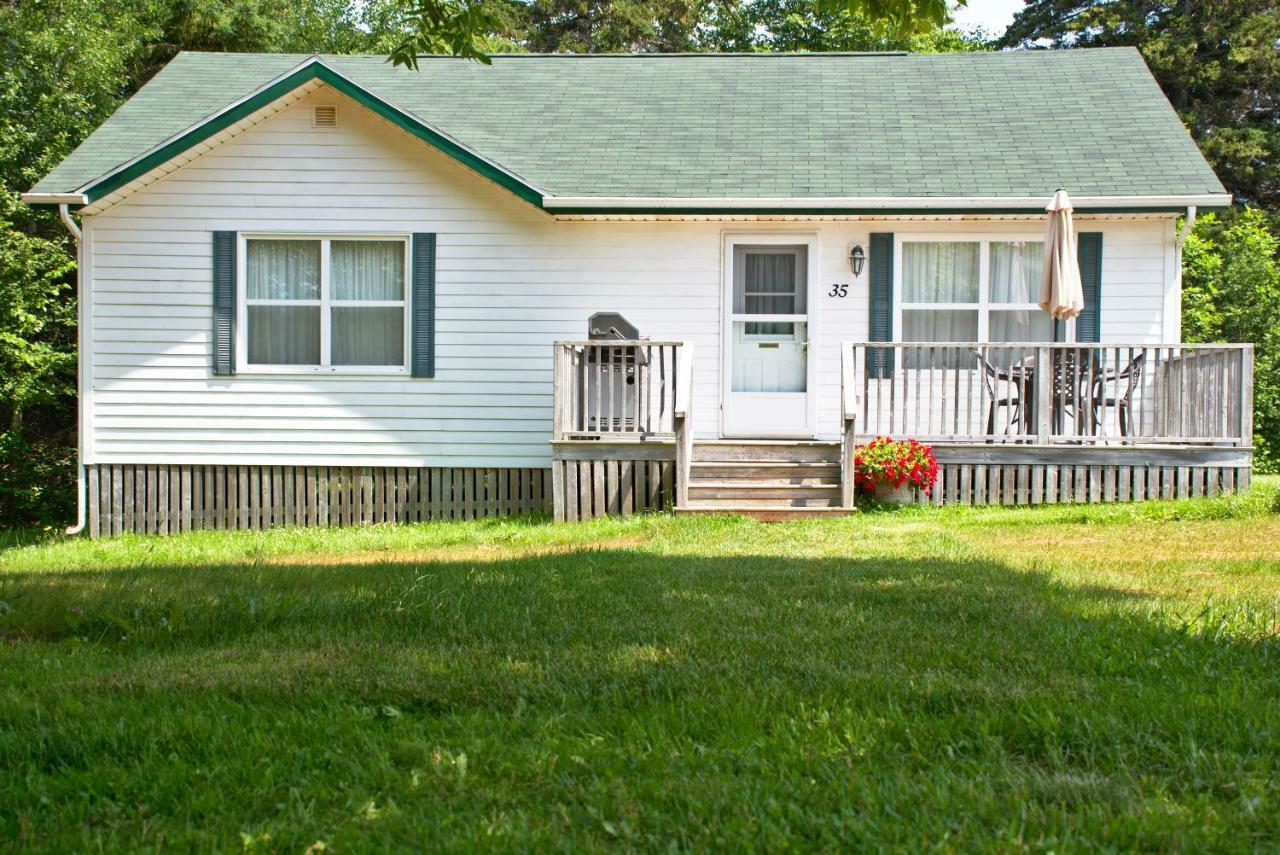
x=1070, y=382
x=1119, y=385
x=1011, y=400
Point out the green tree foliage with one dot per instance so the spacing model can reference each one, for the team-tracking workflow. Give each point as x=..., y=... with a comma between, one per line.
x=800, y=25
x=1231, y=292
x=64, y=73
x=68, y=65
x=1216, y=59
x=461, y=27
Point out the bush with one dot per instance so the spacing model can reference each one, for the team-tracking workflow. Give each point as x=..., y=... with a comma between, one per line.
x=1231, y=292
x=37, y=480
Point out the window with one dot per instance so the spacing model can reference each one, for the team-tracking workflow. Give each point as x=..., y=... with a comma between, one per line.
x=972, y=290
x=324, y=303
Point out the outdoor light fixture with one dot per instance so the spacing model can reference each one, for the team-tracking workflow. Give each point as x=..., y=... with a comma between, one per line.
x=857, y=258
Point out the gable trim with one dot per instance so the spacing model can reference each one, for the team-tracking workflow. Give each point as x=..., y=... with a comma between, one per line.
x=313, y=69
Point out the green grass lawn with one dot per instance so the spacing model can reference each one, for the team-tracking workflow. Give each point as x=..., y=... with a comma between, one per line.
x=1058, y=678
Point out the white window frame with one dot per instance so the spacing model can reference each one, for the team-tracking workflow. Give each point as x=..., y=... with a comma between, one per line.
x=984, y=306
x=325, y=304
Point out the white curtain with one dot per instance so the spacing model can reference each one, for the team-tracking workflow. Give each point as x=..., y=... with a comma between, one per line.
x=284, y=335
x=1015, y=271
x=366, y=270
x=1021, y=325
x=283, y=270
x=941, y=272
x=367, y=336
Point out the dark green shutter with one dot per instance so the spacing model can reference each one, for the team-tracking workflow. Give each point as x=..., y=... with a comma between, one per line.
x=224, y=303
x=423, y=271
x=880, y=265
x=1089, y=255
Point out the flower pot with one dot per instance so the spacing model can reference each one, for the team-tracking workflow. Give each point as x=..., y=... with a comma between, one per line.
x=891, y=495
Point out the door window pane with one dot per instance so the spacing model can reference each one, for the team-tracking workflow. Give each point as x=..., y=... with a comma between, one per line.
x=282, y=270
x=367, y=336
x=1015, y=271
x=1023, y=325
x=366, y=270
x=284, y=335
x=940, y=272
x=769, y=281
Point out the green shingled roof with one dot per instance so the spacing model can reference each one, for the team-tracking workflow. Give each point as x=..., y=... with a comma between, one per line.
x=1013, y=124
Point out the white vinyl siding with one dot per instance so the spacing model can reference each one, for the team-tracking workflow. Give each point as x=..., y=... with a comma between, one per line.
x=510, y=281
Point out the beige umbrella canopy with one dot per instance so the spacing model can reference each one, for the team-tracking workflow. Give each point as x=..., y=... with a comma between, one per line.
x=1061, y=294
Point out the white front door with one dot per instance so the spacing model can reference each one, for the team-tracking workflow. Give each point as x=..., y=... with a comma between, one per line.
x=767, y=339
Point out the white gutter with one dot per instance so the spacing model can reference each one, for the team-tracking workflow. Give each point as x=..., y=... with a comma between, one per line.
x=604, y=203
x=54, y=199
x=81, y=490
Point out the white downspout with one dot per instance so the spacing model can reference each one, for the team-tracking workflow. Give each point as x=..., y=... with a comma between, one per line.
x=81, y=506
x=1188, y=223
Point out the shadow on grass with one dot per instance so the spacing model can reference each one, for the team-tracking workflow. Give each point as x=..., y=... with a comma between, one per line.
x=671, y=679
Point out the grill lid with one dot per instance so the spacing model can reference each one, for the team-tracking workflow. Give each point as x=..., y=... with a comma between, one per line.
x=611, y=325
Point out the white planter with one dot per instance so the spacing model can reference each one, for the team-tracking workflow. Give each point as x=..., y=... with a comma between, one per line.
x=891, y=495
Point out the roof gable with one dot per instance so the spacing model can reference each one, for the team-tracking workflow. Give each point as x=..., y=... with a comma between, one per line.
x=815, y=129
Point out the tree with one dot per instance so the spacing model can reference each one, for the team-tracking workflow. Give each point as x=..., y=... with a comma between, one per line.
x=460, y=27
x=1216, y=59
x=1231, y=292
x=801, y=25
x=68, y=65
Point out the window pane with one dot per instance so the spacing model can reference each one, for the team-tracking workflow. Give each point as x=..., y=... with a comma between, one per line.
x=1030, y=325
x=939, y=325
x=283, y=269
x=366, y=270
x=284, y=335
x=940, y=272
x=368, y=336
x=1015, y=271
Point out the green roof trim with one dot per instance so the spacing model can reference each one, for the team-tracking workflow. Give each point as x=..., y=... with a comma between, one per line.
x=313, y=70
x=1002, y=126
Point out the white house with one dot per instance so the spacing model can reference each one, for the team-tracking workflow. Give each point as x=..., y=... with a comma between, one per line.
x=327, y=290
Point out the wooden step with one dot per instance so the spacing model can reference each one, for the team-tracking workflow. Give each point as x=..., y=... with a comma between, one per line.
x=738, y=451
x=699, y=490
x=763, y=501
x=785, y=471
x=767, y=513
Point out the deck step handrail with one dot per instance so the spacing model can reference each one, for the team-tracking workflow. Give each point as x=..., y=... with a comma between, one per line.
x=1092, y=394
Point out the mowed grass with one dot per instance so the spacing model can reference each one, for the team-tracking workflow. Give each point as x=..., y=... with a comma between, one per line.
x=1049, y=679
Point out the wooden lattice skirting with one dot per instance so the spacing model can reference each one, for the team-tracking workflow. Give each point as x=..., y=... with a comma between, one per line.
x=597, y=488
x=1037, y=484
x=151, y=499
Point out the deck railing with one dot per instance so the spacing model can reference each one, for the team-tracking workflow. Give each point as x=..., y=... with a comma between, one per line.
x=619, y=390
x=1078, y=394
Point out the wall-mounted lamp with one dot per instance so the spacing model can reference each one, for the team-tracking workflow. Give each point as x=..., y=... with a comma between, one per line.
x=857, y=258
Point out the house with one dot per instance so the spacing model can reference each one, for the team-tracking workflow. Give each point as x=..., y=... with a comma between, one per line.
x=325, y=290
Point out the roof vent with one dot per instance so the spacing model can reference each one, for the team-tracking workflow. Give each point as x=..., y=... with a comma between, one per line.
x=324, y=116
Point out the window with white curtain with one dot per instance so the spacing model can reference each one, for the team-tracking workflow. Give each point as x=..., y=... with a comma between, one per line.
x=324, y=303
x=972, y=290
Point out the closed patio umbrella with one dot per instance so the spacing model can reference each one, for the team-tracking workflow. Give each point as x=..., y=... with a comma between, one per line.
x=1061, y=294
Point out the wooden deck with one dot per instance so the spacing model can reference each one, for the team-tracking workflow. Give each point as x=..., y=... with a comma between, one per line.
x=1114, y=422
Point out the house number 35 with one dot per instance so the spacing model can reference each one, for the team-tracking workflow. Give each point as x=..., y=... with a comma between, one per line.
x=840, y=290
